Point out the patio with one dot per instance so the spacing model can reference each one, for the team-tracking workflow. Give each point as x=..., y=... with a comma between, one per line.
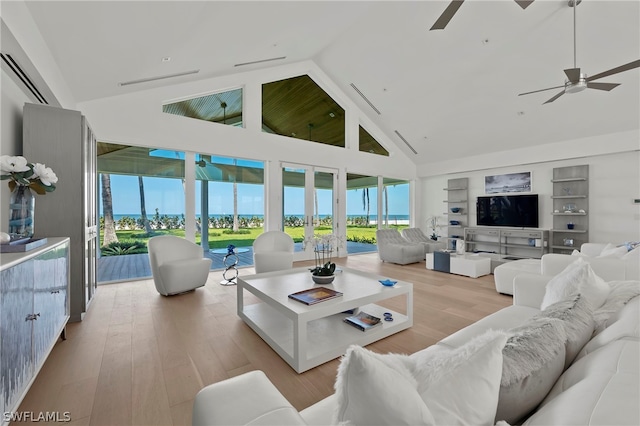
x=136, y=266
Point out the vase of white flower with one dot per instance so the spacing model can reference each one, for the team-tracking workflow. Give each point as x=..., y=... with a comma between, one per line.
x=24, y=179
x=21, y=212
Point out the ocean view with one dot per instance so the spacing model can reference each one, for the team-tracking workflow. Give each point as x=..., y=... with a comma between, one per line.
x=372, y=217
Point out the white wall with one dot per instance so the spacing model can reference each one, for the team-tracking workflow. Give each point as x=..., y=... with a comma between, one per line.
x=614, y=181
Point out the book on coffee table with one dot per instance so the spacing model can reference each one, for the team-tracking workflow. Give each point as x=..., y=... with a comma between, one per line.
x=315, y=295
x=363, y=321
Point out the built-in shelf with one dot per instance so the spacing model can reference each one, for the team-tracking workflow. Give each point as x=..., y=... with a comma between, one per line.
x=570, y=183
x=572, y=179
x=571, y=231
x=457, y=195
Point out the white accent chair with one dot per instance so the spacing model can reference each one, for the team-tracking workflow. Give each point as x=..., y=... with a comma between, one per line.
x=393, y=248
x=177, y=265
x=273, y=251
x=415, y=235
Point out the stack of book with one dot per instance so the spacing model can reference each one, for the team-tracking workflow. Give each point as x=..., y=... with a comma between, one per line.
x=363, y=321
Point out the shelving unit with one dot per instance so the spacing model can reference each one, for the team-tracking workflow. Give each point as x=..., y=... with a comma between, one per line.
x=507, y=243
x=570, y=206
x=457, y=196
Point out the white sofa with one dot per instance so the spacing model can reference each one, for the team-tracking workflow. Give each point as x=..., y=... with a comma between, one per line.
x=627, y=265
x=598, y=384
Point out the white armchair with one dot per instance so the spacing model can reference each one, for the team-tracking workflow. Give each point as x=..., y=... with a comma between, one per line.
x=177, y=265
x=392, y=247
x=415, y=235
x=272, y=251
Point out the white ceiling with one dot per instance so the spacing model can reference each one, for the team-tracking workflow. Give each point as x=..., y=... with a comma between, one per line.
x=451, y=93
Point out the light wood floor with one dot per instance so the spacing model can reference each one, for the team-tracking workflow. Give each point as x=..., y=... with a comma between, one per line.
x=139, y=358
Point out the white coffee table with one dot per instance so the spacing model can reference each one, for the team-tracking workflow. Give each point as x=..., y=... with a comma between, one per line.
x=307, y=336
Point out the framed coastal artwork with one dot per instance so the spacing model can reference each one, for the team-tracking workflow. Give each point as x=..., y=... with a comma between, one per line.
x=507, y=183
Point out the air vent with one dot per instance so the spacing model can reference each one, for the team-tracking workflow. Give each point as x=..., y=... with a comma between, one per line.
x=19, y=72
x=365, y=99
x=279, y=58
x=161, y=77
x=405, y=141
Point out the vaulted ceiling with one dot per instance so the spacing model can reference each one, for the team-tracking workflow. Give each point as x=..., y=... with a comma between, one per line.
x=450, y=93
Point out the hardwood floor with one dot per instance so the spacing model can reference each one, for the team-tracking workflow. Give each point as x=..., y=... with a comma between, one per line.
x=139, y=358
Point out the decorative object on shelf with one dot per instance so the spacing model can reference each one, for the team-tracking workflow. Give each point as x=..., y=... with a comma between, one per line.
x=433, y=225
x=568, y=242
x=570, y=225
x=324, y=269
x=455, y=209
x=24, y=177
x=4, y=238
x=454, y=222
x=511, y=182
x=566, y=190
x=569, y=208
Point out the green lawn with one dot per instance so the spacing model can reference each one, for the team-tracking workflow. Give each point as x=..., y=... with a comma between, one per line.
x=135, y=241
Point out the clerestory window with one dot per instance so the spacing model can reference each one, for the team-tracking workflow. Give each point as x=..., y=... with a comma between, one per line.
x=297, y=107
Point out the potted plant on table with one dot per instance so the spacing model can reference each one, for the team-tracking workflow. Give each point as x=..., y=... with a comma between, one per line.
x=323, y=273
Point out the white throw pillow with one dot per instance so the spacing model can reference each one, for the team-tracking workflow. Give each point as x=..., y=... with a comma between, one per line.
x=613, y=251
x=444, y=387
x=461, y=386
x=374, y=389
x=578, y=277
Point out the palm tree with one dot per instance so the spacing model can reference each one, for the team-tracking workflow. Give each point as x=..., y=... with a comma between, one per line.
x=386, y=207
x=143, y=209
x=107, y=205
x=365, y=203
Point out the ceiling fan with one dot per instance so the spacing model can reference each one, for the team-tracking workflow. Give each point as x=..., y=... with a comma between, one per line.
x=453, y=7
x=578, y=81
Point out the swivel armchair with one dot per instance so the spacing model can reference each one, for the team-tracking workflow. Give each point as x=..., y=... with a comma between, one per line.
x=272, y=251
x=177, y=265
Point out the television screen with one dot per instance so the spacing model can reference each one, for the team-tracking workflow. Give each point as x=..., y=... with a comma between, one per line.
x=508, y=210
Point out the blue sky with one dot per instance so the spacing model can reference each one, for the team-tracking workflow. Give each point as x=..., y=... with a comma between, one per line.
x=167, y=195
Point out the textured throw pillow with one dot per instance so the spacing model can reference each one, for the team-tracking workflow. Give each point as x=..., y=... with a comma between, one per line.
x=533, y=359
x=621, y=293
x=461, y=386
x=578, y=277
x=374, y=389
x=577, y=317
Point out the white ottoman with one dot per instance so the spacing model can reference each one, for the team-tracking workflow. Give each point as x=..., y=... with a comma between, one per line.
x=504, y=274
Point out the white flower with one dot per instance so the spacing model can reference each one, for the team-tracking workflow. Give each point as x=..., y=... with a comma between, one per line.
x=46, y=175
x=13, y=164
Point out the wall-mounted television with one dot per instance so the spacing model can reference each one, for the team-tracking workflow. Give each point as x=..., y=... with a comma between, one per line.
x=508, y=210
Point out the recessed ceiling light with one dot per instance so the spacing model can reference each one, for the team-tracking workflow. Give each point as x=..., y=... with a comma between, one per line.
x=166, y=59
x=485, y=41
x=520, y=113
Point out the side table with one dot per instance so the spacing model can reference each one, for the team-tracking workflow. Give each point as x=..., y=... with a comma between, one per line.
x=230, y=262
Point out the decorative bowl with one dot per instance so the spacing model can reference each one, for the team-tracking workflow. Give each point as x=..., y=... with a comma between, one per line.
x=323, y=279
x=454, y=222
x=388, y=282
x=455, y=209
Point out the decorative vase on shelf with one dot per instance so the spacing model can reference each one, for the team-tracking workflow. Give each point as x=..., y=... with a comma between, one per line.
x=21, y=212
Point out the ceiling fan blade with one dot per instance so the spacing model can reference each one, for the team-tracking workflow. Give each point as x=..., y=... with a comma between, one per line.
x=573, y=74
x=603, y=86
x=541, y=90
x=524, y=3
x=446, y=16
x=555, y=97
x=616, y=70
